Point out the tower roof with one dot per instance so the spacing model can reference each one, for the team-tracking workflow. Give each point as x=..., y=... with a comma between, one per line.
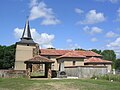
x=26, y=33
x=26, y=36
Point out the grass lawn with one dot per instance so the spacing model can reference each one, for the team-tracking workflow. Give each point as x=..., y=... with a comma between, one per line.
x=64, y=84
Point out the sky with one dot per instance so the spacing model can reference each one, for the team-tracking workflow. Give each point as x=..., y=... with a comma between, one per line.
x=63, y=24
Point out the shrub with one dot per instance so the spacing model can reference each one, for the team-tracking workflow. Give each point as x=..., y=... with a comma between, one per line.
x=109, y=77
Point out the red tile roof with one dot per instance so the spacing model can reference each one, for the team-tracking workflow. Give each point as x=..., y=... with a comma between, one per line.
x=39, y=58
x=88, y=53
x=54, y=52
x=96, y=60
x=72, y=54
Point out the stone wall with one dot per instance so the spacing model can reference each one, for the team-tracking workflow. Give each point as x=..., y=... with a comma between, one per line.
x=85, y=71
x=12, y=73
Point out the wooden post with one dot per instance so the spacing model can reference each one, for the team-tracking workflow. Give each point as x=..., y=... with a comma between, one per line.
x=29, y=73
x=46, y=70
x=49, y=71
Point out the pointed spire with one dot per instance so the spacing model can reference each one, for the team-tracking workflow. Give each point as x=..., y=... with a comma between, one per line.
x=26, y=36
x=26, y=32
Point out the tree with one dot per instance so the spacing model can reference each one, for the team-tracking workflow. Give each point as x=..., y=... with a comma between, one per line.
x=51, y=48
x=77, y=49
x=97, y=51
x=117, y=64
x=7, y=56
x=1, y=56
x=109, y=55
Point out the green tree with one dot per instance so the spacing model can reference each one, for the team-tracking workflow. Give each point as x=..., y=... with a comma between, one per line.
x=1, y=56
x=77, y=49
x=51, y=48
x=109, y=55
x=97, y=51
x=7, y=56
x=117, y=64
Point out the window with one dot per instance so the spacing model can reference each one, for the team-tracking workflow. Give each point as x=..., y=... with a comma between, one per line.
x=73, y=62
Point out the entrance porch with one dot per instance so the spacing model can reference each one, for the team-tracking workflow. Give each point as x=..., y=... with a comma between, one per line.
x=36, y=62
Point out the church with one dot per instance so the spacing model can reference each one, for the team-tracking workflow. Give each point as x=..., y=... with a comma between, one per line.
x=30, y=57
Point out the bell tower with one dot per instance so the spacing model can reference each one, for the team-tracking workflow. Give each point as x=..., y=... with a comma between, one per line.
x=25, y=48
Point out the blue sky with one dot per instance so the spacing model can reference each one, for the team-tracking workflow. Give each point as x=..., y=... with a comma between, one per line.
x=63, y=24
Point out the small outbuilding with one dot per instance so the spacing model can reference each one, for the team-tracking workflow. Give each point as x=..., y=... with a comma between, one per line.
x=39, y=60
x=93, y=61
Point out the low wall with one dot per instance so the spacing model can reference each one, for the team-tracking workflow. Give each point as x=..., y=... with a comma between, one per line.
x=12, y=73
x=85, y=71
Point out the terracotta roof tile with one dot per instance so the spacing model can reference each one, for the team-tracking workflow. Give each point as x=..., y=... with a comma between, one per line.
x=39, y=58
x=96, y=60
x=72, y=54
x=88, y=53
x=53, y=52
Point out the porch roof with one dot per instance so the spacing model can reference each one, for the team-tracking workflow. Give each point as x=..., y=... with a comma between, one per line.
x=39, y=59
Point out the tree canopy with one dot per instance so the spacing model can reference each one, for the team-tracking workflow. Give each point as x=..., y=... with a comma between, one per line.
x=7, y=56
x=117, y=64
x=77, y=49
x=109, y=55
x=97, y=51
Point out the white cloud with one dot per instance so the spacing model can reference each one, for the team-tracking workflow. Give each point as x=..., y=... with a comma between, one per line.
x=92, y=30
x=69, y=40
x=43, y=39
x=92, y=17
x=111, y=34
x=115, y=45
x=86, y=28
x=50, y=21
x=18, y=33
x=118, y=28
x=79, y=11
x=73, y=46
x=112, y=1
x=94, y=39
x=33, y=3
x=40, y=10
x=118, y=12
x=95, y=30
x=118, y=15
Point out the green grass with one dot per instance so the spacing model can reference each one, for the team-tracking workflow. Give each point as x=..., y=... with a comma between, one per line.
x=37, y=74
x=64, y=84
